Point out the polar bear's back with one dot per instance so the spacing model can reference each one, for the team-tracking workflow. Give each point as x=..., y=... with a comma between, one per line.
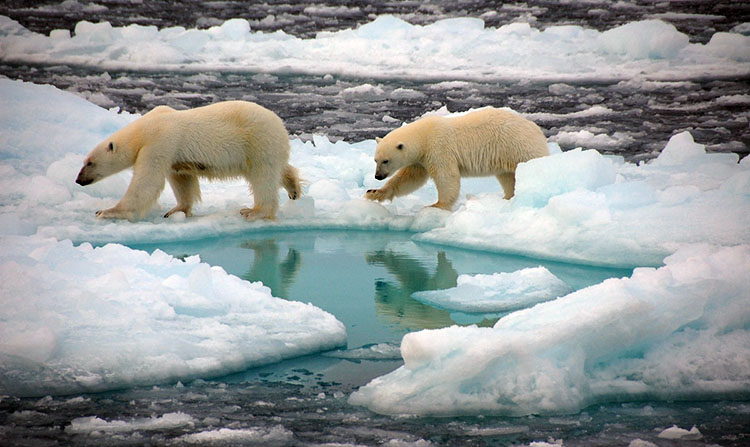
x=490, y=140
x=223, y=139
x=245, y=119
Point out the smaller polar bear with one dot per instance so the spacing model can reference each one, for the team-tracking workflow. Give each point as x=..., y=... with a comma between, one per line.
x=481, y=143
x=231, y=139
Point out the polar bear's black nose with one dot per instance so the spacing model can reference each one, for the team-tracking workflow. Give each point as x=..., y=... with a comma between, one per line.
x=82, y=179
x=379, y=176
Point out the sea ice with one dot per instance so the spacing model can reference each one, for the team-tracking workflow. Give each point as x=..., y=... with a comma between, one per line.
x=93, y=424
x=499, y=292
x=677, y=433
x=584, y=207
x=577, y=206
x=78, y=319
x=273, y=436
x=676, y=332
x=379, y=351
x=451, y=49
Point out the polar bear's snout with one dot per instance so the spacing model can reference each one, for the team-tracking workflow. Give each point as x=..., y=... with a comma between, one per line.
x=381, y=171
x=83, y=179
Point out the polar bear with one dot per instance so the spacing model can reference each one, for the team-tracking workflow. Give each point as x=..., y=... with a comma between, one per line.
x=484, y=142
x=231, y=139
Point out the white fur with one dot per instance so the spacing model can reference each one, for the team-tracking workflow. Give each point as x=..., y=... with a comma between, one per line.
x=481, y=143
x=232, y=139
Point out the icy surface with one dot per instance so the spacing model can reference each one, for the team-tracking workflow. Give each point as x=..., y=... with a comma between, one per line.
x=379, y=351
x=676, y=332
x=498, y=292
x=456, y=48
x=78, y=319
x=227, y=436
x=676, y=433
x=98, y=425
x=576, y=206
x=625, y=337
x=584, y=207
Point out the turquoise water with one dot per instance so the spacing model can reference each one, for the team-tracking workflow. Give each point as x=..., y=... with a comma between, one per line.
x=366, y=280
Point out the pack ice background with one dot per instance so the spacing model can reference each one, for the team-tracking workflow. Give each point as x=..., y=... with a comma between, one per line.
x=676, y=329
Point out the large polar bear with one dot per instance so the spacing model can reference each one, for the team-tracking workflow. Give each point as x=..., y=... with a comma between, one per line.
x=232, y=139
x=481, y=143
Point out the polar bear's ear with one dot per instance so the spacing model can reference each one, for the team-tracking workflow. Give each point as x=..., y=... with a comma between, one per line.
x=111, y=147
x=378, y=139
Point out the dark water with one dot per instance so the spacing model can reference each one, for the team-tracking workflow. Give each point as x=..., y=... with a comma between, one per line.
x=643, y=118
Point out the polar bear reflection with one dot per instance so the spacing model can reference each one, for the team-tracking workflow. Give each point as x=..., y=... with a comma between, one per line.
x=394, y=303
x=267, y=267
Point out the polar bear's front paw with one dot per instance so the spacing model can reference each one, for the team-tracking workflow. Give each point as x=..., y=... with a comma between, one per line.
x=184, y=208
x=114, y=213
x=256, y=213
x=377, y=195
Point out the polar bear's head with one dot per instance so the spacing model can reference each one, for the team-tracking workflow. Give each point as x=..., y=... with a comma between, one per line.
x=390, y=156
x=108, y=157
x=403, y=146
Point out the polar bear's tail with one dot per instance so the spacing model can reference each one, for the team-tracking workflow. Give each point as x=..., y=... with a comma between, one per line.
x=290, y=182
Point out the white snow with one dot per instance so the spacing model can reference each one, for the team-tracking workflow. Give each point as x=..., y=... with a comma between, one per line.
x=388, y=47
x=577, y=206
x=583, y=207
x=585, y=138
x=498, y=292
x=675, y=332
x=93, y=424
x=231, y=436
x=78, y=318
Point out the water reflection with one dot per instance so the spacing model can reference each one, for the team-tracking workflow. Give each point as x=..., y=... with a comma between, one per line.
x=393, y=301
x=268, y=267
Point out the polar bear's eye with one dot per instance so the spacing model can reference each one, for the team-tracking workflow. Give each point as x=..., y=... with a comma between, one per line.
x=384, y=162
x=89, y=164
x=400, y=146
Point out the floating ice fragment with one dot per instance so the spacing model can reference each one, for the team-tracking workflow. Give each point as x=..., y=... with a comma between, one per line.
x=677, y=433
x=365, y=92
x=167, y=421
x=585, y=138
x=273, y=436
x=498, y=292
x=379, y=351
x=405, y=94
x=641, y=443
